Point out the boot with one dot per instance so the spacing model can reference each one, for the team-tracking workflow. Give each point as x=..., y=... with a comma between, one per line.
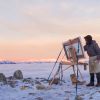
x=91, y=80
x=98, y=79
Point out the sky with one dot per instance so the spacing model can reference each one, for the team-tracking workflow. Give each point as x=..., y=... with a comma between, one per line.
x=36, y=29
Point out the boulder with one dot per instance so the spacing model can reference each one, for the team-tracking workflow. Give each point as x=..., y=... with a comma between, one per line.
x=54, y=81
x=78, y=98
x=37, y=82
x=18, y=74
x=12, y=83
x=28, y=81
x=39, y=98
x=3, y=78
x=40, y=87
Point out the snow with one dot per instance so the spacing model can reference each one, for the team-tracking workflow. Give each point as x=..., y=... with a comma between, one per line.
x=66, y=91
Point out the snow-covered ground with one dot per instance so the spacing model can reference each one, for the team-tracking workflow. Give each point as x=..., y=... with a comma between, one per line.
x=66, y=91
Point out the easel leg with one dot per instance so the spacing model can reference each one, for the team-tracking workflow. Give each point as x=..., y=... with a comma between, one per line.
x=73, y=69
x=61, y=74
x=80, y=74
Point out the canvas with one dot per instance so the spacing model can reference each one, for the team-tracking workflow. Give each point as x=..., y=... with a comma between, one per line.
x=73, y=49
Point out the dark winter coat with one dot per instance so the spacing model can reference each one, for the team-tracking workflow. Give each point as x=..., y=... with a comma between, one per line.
x=92, y=49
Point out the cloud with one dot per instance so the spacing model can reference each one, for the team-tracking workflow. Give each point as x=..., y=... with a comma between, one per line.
x=42, y=23
x=51, y=16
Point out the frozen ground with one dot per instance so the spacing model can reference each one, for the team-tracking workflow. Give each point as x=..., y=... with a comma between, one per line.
x=66, y=91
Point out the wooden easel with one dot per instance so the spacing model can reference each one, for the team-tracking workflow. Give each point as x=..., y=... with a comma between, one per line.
x=70, y=66
x=73, y=61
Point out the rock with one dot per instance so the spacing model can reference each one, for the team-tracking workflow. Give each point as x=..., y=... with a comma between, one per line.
x=43, y=80
x=24, y=87
x=54, y=81
x=18, y=74
x=12, y=83
x=10, y=78
x=3, y=78
x=33, y=94
x=66, y=99
x=37, y=82
x=39, y=98
x=91, y=98
x=28, y=81
x=67, y=91
x=40, y=87
x=78, y=98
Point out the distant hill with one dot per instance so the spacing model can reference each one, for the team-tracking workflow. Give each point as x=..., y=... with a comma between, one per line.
x=7, y=62
x=24, y=62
